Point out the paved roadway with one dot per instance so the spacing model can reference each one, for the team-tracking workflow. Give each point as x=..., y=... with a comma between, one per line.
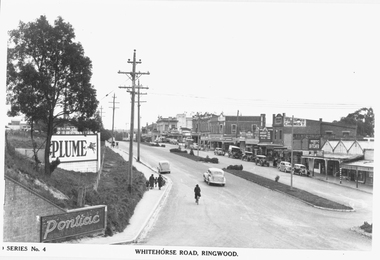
x=245, y=215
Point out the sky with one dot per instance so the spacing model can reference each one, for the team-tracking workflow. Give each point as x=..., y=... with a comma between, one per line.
x=311, y=60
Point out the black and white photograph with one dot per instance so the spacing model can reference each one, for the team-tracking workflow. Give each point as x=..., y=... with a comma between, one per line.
x=188, y=129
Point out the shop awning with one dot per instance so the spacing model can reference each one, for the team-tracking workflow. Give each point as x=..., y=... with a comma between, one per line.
x=271, y=145
x=361, y=165
x=335, y=157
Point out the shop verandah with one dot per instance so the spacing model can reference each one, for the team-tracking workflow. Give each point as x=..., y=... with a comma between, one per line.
x=344, y=167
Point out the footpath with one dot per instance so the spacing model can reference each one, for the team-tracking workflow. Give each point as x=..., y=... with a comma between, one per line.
x=145, y=214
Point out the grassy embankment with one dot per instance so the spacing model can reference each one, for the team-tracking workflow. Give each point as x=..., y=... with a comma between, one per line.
x=111, y=190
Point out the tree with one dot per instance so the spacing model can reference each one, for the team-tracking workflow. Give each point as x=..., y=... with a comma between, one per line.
x=48, y=76
x=364, y=118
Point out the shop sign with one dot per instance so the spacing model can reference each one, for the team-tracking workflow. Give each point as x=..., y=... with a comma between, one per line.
x=314, y=144
x=297, y=122
x=318, y=153
x=278, y=120
x=74, y=148
x=265, y=135
x=73, y=223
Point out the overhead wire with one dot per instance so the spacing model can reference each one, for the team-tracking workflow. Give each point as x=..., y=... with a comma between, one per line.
x=271, y=103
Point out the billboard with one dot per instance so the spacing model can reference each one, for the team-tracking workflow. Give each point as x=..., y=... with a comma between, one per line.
x=74, y=148
x=73, y=223
x=298, y=122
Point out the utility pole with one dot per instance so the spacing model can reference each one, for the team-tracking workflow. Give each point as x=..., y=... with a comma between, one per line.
x=138, y=118
x=199, y=134
x=237, y=126
x=113, y=119
x=101, y=114
x=133, y=75
x=291, y=158
x=138, y=114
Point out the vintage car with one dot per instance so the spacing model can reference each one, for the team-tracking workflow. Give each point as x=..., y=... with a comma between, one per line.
x=248, y=156
x=163, y=167
x=261, y=160
x=219, y=151
x=284, y=166
x=215, y=176
x=234, y=152
x=300, y=169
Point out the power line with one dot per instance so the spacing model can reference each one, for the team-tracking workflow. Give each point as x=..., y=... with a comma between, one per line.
x=272, y=103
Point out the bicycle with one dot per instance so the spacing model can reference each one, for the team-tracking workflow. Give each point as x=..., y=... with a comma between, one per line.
x=197, y=199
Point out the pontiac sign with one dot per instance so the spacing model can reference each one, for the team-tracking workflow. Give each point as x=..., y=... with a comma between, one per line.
x=74, y=148
x=77, y=222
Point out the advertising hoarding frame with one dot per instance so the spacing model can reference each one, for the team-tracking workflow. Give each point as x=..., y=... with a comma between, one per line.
x=96, y=152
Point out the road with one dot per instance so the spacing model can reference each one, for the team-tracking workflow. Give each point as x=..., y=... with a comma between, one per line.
x=245, y=215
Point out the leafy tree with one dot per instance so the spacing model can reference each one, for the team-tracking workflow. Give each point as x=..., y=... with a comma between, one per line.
x=364, y=118
x=48, y=76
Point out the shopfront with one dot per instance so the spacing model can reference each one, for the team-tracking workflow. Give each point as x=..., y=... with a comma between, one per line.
x=327, y=164
x=360, y=171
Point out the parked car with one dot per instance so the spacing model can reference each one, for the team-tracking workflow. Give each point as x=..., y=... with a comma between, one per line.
x=261, y=160
x=163, y=167
x=194, y=146
x=300, y=169
x=219, y=151
x=285, y=166
x=248, y=156
x=234, y=152
x=215, y=176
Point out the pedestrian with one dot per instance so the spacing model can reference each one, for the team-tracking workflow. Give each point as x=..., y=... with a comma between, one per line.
x=155, y=182
x=197, y=193
x=160, y=181
x=151, y=181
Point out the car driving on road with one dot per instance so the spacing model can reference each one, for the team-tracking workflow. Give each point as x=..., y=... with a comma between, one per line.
x=215, y=176
x=163, y=167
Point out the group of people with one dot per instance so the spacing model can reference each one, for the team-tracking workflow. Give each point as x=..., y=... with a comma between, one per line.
x=154, y=182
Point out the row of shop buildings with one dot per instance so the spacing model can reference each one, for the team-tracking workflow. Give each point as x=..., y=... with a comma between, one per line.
x=324, y=147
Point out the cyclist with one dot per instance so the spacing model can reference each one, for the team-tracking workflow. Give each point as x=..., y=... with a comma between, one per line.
x=197, y=192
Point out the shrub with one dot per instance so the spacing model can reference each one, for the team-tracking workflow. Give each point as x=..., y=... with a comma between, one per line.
x=366, y=227
x=235, y=167
x=176, y=150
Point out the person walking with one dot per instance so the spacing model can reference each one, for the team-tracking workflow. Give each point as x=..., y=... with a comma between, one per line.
x=160, y=181
x=151, y=181
x=197, y=193
x=155, y=182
